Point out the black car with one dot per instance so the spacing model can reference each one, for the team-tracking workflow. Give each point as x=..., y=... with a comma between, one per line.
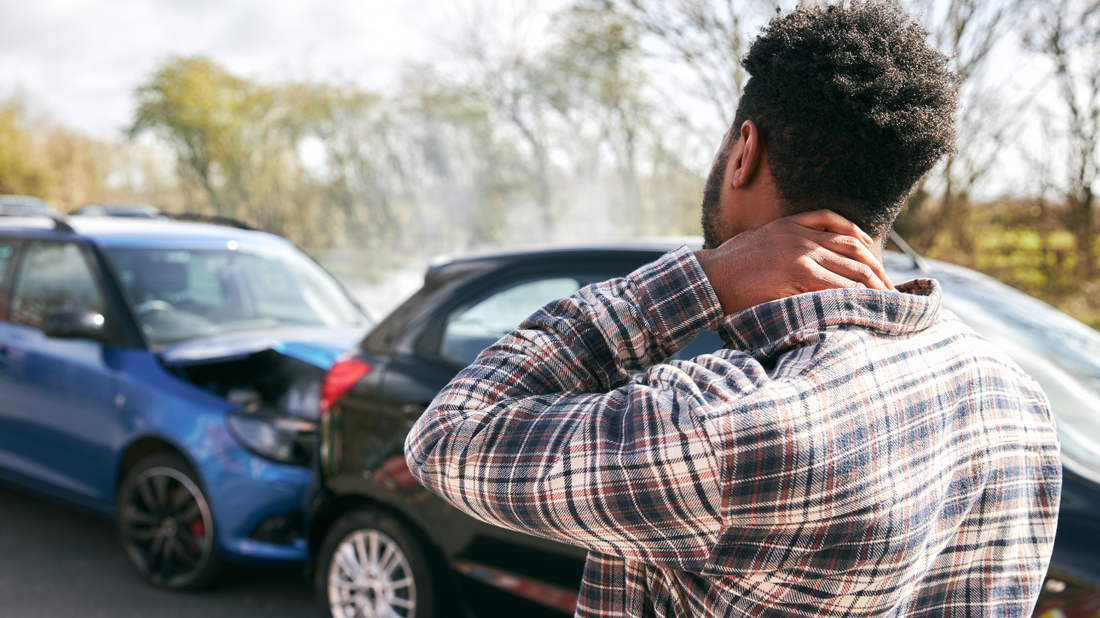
x=382, y=542
x=442, y=560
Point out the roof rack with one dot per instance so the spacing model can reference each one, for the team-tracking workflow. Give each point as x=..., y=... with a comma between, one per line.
x=59, y=223
x=215, y=219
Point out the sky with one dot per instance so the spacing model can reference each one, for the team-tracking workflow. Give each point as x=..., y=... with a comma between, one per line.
x=78, y=62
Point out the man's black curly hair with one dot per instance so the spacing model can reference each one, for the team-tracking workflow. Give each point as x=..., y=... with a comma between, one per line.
x=853, y=107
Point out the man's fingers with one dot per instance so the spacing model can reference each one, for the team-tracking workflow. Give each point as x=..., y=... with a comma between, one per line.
x=851, y=248
x=808, y=252
x=834, y=233
x=824, y=280
x=846, y=272
x=829, y=221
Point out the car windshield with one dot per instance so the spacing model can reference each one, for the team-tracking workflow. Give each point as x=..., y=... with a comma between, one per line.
x=180, y=294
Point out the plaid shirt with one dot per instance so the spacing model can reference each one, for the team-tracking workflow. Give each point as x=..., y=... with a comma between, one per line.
x=850, y=452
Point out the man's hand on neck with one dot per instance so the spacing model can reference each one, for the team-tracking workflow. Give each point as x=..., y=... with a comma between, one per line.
x=806, y=252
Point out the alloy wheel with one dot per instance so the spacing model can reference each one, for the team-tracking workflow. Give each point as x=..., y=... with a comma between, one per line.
x=370, y=576
x=166, y=527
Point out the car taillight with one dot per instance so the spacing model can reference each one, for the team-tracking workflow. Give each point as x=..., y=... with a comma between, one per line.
x=343, y=374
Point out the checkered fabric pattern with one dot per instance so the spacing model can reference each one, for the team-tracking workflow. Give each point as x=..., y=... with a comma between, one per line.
x=850, y=452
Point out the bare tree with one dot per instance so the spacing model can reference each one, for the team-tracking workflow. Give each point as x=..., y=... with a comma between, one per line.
x=591, y=77
x=968, y=31
x=494, y=45
x=1067, y=32
x=577, y=100
x=706, y=37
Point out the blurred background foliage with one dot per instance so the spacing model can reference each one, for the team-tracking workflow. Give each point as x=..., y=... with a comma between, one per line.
x=595, y=122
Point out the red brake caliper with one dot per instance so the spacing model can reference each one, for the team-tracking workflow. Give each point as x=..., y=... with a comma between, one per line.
x=199, y=531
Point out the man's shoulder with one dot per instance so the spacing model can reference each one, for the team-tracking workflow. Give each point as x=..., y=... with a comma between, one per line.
x=944, y=353
x=972, y=345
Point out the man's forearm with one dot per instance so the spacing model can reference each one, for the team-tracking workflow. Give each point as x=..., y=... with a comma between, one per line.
x=594, y=340
x=500, y=440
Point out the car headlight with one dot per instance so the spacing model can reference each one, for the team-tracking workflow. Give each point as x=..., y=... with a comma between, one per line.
x=285, y=439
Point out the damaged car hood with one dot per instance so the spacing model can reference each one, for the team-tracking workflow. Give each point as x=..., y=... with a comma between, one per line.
x=316, y=346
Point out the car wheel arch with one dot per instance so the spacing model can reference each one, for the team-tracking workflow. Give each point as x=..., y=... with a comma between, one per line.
x=328, y=515
x=335, y=508
x=143, y=447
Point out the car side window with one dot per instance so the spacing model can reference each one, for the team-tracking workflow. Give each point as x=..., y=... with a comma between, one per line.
x=471, y=329
x=53, y=276
x=7, y=250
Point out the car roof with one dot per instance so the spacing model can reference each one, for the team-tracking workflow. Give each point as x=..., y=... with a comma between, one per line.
x=138, y=232
x=645, y=243
x=26, y=205
x=451, y=265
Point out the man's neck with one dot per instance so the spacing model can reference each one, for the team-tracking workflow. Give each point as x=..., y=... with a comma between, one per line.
x=876, y=249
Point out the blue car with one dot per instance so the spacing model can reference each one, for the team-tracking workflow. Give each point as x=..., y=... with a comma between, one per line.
x=167, y=373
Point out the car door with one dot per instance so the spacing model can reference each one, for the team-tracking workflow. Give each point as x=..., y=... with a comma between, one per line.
x=548, y=573
x=58, y=408
x=10, y=361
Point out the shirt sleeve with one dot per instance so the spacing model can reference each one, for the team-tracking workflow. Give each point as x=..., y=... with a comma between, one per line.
x=545, y=432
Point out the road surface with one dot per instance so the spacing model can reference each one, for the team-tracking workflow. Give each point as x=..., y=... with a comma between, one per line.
x=57, y=561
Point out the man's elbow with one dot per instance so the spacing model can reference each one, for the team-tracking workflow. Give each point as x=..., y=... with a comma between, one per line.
x=417, y=449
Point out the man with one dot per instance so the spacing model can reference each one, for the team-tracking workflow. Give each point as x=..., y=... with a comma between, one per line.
x=854, y=451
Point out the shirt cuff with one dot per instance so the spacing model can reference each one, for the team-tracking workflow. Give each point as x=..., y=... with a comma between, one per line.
x=678, y=297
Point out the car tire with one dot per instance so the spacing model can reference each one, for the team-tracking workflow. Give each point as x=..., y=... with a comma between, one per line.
x=165, y=524
x=371, y=564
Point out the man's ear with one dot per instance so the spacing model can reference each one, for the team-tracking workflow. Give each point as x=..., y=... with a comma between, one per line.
x=748, y=161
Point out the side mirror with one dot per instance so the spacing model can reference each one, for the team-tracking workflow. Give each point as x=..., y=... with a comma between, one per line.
x=78, y=323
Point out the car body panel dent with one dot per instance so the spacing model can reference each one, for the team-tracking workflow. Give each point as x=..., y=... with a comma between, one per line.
x=245, y=490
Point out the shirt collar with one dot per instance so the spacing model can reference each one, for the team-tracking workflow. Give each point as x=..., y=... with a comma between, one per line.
x=769, y=329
